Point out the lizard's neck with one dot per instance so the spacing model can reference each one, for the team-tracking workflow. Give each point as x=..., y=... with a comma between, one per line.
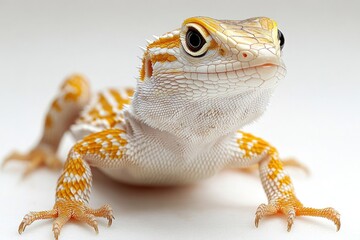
x=201, y=121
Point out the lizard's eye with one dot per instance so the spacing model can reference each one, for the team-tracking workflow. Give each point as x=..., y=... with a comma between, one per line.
x=194, y=40
x=281, y=39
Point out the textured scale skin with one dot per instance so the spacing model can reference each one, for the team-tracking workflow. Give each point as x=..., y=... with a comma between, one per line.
x=181, y=123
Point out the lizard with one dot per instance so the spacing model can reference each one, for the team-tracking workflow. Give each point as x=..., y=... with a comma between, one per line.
x=197, y=87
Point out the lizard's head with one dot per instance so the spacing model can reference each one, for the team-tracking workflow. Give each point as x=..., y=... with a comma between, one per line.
x=208, y=62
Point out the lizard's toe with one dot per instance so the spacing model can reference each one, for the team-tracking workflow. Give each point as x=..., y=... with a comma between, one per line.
x=264, y=210
x=37, y=157
x=65, y=210
x=292, y=162
x=328, y=213
x=33, y=216
x=291, y=207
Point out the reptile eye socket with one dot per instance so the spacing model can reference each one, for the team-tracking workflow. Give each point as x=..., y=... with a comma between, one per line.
x=281, y=39
x=194, y=40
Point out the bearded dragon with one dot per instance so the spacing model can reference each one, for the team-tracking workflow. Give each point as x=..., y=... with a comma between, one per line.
x=198, y=86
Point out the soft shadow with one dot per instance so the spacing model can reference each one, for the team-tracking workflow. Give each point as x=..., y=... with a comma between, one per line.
x=143, y=198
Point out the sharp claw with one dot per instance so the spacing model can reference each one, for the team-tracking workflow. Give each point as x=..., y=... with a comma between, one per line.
x=260, y=213
x=291, y=217
x=257, y=219
x=110, y=220
x=24, y=223
x=56, y=235
x=63, y=214
x=21, y=228
x=56, y=231
x=337, y=220
x=289, y=227
x=290, y=223
x=96, y=228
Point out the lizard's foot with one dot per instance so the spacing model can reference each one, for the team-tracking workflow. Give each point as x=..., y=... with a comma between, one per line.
x=64, y=210
x=38, y=156
x=292, y=207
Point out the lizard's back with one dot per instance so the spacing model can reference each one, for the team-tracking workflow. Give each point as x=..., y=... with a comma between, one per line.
x=103, y=112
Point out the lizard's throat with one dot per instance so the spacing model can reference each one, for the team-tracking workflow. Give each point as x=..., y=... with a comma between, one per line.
x=199, y=121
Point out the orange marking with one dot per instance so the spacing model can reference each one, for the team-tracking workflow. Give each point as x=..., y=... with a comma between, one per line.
x=99, y=144
x=73, y=166
x=48, y=121
x=130, y=91
x=276, y=167
x=166, y=42
x=66, y=193
x=94, y=147
x=94, y=113
x=163, y=58
x=285, y=181
x=222, y=52
x=120, y=101
x=142, y=70
x=111, y=116
x=209, y=24
x=105, y=104
x=77, y=83
x=146, y=69
x=254, y=146
x=213, y=44
x=55, y=105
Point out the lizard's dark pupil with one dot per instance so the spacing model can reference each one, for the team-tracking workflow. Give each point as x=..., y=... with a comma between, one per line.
x=281, y=39
x=194, y=40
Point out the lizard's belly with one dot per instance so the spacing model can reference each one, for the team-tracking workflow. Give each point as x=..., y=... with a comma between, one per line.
x=157, y=177
x=161, y=166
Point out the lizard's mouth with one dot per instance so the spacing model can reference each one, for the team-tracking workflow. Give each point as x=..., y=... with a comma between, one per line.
x=267, y=65
x=226, y=68
x=234, y=72
x=243, y=71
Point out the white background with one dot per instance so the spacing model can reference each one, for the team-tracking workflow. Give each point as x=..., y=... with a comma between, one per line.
x=314, y=115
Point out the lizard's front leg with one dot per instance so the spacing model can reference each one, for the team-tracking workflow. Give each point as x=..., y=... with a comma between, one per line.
x=103, y=149
x=247, y=150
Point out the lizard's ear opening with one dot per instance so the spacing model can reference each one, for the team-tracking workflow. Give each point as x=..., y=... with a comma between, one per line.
x=147, y=68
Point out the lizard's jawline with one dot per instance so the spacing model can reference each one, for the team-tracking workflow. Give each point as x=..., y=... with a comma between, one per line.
x=266, y=65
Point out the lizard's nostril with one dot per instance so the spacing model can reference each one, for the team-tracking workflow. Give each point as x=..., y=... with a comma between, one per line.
x=244, y=55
